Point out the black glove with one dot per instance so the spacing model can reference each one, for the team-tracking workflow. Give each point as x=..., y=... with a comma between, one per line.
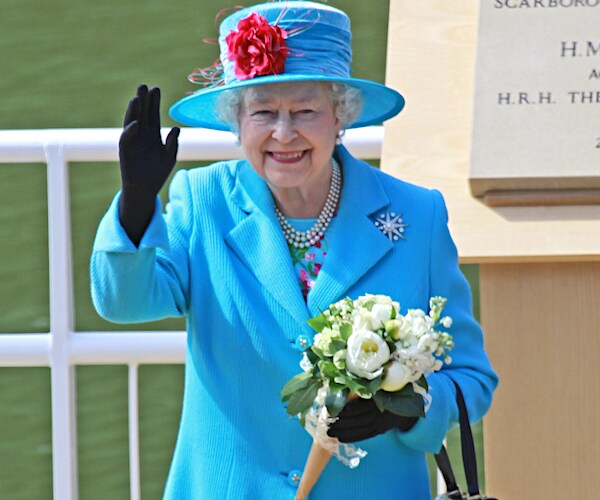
x=145, y=161
x=361, y=419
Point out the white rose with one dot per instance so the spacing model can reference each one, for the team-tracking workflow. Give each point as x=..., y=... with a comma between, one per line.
x=366, y=354
x=398, y=329
x=397, y=375
x=381, y=299
x=363, y=320
x=374, y=319
x=381, y=313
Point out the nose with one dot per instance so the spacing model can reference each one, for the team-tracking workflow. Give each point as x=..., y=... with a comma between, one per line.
x=284, y=130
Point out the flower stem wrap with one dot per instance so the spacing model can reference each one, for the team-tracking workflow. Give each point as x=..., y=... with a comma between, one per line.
x=321, y=451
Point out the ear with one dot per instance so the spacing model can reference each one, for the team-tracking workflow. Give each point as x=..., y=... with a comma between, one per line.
x=337, y=124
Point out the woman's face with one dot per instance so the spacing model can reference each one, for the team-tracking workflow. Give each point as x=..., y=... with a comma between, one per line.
x=288, y=132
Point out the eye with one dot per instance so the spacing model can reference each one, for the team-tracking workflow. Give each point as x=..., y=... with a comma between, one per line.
x=262, y=113
x=304, y=114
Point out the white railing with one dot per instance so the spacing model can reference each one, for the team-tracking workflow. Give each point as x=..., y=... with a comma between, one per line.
x=63, y=348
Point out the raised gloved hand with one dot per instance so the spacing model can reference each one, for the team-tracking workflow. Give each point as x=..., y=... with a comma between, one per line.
x=145, y=161
x=361, y=419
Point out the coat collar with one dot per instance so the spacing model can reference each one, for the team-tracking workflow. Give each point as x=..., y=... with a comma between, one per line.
x=259, y=243
x=356, y=244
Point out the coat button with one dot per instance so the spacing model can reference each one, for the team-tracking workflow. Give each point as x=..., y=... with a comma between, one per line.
x=294, y=477
x=302, y=343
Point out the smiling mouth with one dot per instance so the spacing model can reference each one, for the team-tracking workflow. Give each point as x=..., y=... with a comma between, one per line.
x=287, y=157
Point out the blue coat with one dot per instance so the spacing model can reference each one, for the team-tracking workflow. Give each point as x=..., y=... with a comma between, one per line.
x=218, y=257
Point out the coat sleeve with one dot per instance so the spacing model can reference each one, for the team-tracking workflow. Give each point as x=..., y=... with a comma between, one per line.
x=470, y=366
x=149, y=282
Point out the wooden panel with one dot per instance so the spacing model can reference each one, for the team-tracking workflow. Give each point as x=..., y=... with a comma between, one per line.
x=542, y=197
x=542, y=324
x=431, y=58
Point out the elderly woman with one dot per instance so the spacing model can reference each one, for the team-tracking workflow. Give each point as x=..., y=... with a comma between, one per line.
x=249, y=250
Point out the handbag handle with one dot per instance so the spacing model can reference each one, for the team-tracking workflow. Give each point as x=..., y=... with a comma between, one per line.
x=468, y=454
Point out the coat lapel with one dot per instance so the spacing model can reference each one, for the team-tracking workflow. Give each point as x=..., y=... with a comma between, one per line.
x=356, y=244
x=258, y=241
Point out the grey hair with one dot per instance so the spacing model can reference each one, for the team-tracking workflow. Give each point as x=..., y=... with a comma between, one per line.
x=347, y=104
x=227, y=107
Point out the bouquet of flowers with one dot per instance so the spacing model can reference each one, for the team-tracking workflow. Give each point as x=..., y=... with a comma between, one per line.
x=364, y=348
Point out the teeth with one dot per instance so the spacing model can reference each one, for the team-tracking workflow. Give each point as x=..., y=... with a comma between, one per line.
x=287, y=156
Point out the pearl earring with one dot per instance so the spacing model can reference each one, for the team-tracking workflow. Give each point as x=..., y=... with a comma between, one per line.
x=338, y=138
x=238, y=141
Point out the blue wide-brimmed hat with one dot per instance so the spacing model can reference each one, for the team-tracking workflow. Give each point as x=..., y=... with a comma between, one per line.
x=285, y=41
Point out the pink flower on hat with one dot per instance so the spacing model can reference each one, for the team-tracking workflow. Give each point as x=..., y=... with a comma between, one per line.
x=257, y=48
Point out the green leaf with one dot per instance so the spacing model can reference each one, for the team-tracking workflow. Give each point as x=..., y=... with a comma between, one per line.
x=296, y=383
x=336, y=345
x=319, y=353
x=328, y=369
x=391, y=344
x=319, y=322
x=345, y=330
x=347, y=381
x=356, y=385
x=312, y=356
x=374, y=384
x=423, y=383
x=302, y=400
x=339, y=359
x=379, y=402
x=335, y=401
x=333, y=386
x=400, y=403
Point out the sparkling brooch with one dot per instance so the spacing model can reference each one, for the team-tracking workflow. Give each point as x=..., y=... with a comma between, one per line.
x=391, y=225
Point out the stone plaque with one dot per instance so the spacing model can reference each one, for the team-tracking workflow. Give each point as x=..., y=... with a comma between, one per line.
x=536, y=122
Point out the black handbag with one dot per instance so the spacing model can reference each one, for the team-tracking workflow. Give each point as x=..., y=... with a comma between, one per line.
x=468, y=457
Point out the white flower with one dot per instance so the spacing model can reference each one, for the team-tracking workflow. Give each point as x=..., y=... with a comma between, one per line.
x=305, y=364
x=398, y=329
x=363, y=320
x=366, y=354
x=427, y=343
x=420, y=322
x=374, y=319
x=381, y=299
x=397, y=375
x=381, y=313
x=446, y=321
x=323, y=340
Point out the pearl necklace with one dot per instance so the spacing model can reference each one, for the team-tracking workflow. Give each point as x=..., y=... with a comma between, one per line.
x=303, y=239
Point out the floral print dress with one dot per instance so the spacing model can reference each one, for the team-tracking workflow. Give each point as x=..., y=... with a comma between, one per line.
x=308, y=261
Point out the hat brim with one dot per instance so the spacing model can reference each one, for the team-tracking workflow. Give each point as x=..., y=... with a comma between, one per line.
x=199, y=109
